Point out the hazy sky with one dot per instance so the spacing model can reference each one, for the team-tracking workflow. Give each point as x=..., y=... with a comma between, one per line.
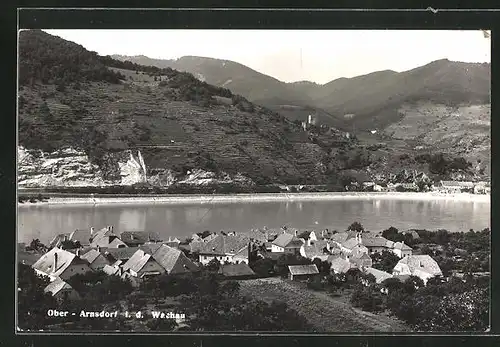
x=326, y=54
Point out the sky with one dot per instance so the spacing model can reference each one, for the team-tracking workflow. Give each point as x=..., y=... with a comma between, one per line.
x=295, y=55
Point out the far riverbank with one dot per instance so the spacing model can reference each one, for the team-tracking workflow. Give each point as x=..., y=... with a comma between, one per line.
x=256, y=197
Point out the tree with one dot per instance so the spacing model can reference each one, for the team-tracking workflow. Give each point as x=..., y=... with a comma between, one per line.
x=263, y=267
x=367, y=298
x=385, y=261
x=356, y=226
x=213, y=265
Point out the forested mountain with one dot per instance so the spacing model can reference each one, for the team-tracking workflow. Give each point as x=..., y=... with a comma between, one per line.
x=70, y=97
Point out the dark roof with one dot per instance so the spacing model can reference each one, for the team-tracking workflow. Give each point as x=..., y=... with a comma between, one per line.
x=121, y=253
x=380, y=275
x=171, y=259
x=303, y=269
x=139, y=237
x=236, y=270
x=377, y=241
x=225, y=244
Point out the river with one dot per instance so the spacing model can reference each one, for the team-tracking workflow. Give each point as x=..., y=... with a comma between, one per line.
x=182, y=220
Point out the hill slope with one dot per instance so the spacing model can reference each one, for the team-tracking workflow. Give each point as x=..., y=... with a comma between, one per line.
x=178, y=123
x=371, y=101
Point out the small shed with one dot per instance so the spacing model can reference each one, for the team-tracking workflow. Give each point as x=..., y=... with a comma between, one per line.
x=302, y=272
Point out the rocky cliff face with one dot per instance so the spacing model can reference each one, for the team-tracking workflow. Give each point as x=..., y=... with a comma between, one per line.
x=67, y=167
x=72, y=168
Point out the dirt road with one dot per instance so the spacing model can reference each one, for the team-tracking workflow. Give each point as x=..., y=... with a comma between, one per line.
x=324, y=312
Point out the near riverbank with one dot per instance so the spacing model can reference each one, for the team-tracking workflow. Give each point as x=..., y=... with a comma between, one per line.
x=248, y=198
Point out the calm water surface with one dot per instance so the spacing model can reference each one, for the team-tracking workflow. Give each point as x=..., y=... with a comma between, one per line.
x=44, y=222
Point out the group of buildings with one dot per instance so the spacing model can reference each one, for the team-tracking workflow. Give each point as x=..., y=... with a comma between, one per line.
x=348, y=250
x=445, y=187
x=138, y=255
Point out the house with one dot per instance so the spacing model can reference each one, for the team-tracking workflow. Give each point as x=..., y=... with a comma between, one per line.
x=455, y=186
x=379, y=275
x=315, y=249
x=257, y=237
x=349, y=245
x=240, y=271
x=286, y=243
x=175, y=242
x=422, y=266
x=361, y=260
x=96, y=259
x=225, y=248
x=137, y=238
x=106, y=238
x=113, y=270
x=196, y=246
x=302, y=272
x=409, y=187
x=122, y=254
x=61, y=290
x=341, y=265
x=140, y=266
x=60, y=263
x=401, y=249
x=376, y=244
x=173, y=260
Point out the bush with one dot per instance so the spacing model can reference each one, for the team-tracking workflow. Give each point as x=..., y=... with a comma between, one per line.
x=368, y=299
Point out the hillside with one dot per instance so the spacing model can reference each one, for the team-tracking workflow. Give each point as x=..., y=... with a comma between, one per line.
x=370, y=101
x=94, y=119
x=240, y=79
x=177, y=122
x=400, y=106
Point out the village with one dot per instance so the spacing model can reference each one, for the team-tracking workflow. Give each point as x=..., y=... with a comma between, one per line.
x=305, y=257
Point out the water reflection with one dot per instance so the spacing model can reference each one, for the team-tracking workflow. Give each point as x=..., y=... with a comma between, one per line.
x=44, y=222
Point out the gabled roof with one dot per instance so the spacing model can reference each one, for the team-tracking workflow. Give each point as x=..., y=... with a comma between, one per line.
x=64, y=260
x=283, y=240
x=422, y=263
x=124, y=253
x=303, y=269
x=137, y=261
x=341, y=265
x=350, y=243
x=236, y=270
x=116, y=243
x=56, y=286
x=312, y=251
x=359, y=250
x=380, y=275
x=91, y=256
x=196, y=246
x=402, y=246
x=361, y=256
x=139, y=237
x=169, y=258
x=225, y=244
x=377, y=241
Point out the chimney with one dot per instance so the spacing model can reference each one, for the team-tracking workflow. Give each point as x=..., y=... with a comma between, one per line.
x=91, y=231
x=98, y=249
x=78, y=252
x=295, y=232
x=322, y=233
x=55, y=262
x=309, y=242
